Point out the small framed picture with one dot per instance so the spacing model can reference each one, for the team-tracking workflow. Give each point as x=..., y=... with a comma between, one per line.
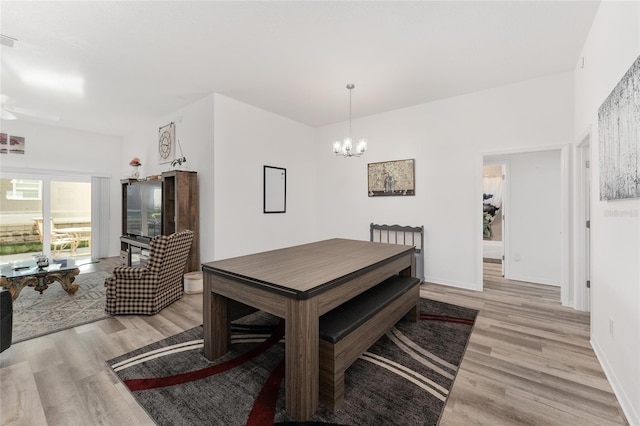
x=4, y=144
x=166, y=143
x=16, y=144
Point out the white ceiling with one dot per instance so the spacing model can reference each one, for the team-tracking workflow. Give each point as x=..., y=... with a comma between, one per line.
x=141, y=59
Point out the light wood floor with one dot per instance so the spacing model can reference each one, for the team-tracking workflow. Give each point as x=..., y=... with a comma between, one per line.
x=528, y=362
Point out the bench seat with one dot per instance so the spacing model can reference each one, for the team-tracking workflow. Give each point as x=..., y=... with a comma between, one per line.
x=347, y=331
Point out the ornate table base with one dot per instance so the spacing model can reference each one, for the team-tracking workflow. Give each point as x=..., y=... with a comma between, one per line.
x=41, y=280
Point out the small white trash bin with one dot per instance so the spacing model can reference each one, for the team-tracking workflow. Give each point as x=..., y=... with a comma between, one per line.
x=193, y=282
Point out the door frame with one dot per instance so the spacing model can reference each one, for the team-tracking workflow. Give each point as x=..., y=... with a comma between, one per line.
x=565, y=251
x=582, y=203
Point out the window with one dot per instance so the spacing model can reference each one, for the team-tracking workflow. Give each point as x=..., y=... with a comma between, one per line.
x=25, y=189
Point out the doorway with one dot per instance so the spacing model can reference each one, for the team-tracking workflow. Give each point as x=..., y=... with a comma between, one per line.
x=535, y=215
x=493, y=212
x=44, y=214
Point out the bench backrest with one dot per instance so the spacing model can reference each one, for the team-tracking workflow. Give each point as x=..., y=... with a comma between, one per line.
x=405, y=235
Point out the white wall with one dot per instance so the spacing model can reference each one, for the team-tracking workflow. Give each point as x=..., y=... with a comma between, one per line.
x=228, y=143
x=612, y=46
x=447, y=139
x=194, y=128
x=246, y=139
x=50, y=148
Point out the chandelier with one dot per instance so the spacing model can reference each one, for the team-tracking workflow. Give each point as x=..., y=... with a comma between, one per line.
x=345, y=148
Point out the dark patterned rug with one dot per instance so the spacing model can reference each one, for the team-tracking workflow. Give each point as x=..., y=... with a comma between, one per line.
x=403, y=379
x=36, y=314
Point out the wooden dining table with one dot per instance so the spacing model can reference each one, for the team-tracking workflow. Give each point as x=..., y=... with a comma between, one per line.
x=298, y=284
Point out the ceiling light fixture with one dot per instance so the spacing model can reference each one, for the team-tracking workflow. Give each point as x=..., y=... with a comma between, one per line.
x=345, y=147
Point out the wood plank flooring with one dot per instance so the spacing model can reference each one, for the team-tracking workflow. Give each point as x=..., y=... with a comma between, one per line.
x=529, y=362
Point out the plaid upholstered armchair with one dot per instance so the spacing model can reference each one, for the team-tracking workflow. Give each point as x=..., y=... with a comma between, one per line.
x=149, y=289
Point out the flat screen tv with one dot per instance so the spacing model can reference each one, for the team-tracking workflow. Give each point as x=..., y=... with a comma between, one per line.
x=144, y=209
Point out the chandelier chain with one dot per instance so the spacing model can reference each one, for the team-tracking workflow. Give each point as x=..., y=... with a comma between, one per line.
x=350, y=89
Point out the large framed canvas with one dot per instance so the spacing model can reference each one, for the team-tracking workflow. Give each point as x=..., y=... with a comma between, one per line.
x=619, y=134
x=392, y=178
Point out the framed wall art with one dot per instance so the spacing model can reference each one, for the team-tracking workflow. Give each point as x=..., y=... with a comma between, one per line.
x=166, y=143
x=275, y=190
x=392, y=178
x=16, y=144
x=619, y=138
x=4, y=143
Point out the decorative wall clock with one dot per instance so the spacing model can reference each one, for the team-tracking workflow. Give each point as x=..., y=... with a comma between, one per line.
x=166, y=143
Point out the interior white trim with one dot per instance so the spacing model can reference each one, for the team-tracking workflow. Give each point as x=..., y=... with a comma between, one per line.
x=100, y=217
x=533, y=279
x=628, y=407
x=580, y=293
x=565, y=270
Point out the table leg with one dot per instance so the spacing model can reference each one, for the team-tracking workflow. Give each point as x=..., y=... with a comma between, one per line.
x=302, y=358
x=410, y=271
x=215, y=321
x=41, y=282
x=15, y=285
x=65, y=278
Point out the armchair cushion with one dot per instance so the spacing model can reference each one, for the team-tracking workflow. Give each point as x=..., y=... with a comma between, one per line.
x=149, y=289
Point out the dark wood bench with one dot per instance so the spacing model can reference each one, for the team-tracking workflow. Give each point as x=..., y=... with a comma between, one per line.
x=347, y=331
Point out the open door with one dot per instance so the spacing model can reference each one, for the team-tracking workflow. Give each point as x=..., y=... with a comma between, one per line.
x=493, y=191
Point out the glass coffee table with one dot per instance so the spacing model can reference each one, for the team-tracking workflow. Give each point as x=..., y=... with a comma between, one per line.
x=18, y=275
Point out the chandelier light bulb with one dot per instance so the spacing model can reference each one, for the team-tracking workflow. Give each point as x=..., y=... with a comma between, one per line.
x=345, y=148
x=362, y=146
x=347, y=144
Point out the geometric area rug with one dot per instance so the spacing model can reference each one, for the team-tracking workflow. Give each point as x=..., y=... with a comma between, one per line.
x=36, y=314
x=403, y=379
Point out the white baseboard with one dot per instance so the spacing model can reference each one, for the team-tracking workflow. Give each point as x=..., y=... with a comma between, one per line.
x=633, y=417
x=457, y=284
x=535, y=280
x=492, y=249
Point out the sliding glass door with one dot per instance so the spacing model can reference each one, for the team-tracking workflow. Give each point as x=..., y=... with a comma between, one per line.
x=44, y=214
x=70, y=204
x=21, y=203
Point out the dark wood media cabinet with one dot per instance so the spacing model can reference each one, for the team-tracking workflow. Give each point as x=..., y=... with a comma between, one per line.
x=180, y=211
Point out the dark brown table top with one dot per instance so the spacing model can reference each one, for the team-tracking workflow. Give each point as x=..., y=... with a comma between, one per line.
x=304, y=270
